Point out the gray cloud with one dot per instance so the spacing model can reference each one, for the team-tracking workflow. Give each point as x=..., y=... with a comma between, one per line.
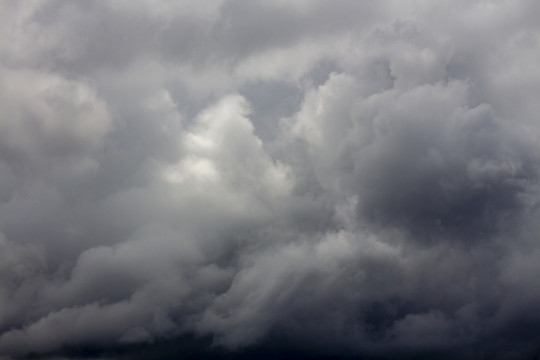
x=300, y=179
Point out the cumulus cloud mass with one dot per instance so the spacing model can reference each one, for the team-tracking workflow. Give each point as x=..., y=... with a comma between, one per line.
x=269, y=179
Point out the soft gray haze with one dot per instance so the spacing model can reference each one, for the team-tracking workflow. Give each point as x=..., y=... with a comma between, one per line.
x=356, y=177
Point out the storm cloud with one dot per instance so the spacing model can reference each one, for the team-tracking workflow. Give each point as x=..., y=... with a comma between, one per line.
x=269, y=179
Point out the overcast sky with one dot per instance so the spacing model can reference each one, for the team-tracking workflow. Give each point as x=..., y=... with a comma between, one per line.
x=254, y=178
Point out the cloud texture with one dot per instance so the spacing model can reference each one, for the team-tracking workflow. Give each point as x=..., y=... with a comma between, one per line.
x=351, y=177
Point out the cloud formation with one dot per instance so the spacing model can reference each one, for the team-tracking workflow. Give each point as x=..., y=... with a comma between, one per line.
x=338, y=178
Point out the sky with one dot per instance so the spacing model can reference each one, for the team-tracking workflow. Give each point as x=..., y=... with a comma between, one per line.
x=269, y=179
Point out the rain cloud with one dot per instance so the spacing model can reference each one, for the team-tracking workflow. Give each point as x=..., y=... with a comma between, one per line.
x=269, y=179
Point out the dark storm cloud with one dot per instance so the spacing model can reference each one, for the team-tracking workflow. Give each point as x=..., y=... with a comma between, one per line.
x=285, y=179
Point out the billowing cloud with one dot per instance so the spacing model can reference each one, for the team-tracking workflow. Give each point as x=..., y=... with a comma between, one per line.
x=300, y=179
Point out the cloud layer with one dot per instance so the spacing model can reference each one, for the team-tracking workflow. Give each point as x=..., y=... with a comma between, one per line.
x=349, y=177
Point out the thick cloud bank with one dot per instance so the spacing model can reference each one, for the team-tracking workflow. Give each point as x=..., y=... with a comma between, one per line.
x=344, y=177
